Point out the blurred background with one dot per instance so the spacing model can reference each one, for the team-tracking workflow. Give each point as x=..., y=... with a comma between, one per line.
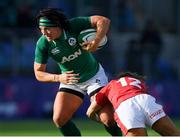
x=144, y=37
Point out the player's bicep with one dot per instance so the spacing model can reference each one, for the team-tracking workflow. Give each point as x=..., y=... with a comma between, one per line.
x=39, y=70
x=39, y=67
x=96, y=18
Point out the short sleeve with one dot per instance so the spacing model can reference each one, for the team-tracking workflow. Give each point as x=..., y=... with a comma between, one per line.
x=80, y=23
x=101, y=97
x=41, y=52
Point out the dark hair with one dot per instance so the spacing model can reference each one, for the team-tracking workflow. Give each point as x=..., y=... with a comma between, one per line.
x=130, y=74
x=55, y=15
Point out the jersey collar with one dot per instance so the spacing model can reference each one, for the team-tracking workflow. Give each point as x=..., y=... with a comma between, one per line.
x=63, y=36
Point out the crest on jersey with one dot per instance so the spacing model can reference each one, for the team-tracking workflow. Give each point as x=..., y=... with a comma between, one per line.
x=72, y=41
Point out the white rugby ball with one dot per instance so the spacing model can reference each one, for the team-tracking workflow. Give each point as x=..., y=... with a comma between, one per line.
x=89, y=35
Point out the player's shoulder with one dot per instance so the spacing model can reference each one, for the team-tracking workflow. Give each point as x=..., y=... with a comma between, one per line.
x=79, y=18
x=83, y=22
x=42, y=41
x=111, y=83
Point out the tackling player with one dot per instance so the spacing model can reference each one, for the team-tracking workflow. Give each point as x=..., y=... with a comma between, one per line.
x=80, y=73
x=134, y=108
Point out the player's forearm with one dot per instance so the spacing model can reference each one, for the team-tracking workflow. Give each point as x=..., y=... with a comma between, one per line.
x=102, y=28
x=92, y=111
x=94, y=116
x=46, y=77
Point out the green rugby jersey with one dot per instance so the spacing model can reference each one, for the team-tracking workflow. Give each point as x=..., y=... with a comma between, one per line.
x=67, y=52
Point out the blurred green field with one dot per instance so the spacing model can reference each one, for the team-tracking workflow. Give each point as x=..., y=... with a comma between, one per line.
x=47, y=128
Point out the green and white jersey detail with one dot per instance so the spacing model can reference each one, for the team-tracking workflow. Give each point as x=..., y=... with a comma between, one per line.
x=66, y=51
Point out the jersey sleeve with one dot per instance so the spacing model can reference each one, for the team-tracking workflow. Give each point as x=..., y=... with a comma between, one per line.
x=80, y=23
x=41, y=52
x=101, y=96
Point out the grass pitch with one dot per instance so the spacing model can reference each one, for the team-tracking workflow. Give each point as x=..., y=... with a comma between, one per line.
x=47, y=128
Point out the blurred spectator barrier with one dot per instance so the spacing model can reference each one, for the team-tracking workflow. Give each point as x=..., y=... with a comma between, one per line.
x=23, y=97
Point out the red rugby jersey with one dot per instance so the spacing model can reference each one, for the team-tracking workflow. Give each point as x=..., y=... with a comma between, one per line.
x=119, y=90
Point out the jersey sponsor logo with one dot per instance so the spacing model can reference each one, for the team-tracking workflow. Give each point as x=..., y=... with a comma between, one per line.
x=55, y=51
x=72, y=41
x=71, y=57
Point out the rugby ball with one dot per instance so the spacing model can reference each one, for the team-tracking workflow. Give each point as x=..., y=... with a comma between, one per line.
x=89, y=35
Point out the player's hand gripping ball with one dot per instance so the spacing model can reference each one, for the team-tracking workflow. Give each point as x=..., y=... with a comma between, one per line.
x=89, y=35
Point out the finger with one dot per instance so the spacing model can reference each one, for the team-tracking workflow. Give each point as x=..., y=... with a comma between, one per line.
x=72, y=75
x=73, y=81
x=86, y=48
x=85, y=43
x=74, y=78
x=69, y=72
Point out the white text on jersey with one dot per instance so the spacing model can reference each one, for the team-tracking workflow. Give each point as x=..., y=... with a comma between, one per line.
x=71, y=57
